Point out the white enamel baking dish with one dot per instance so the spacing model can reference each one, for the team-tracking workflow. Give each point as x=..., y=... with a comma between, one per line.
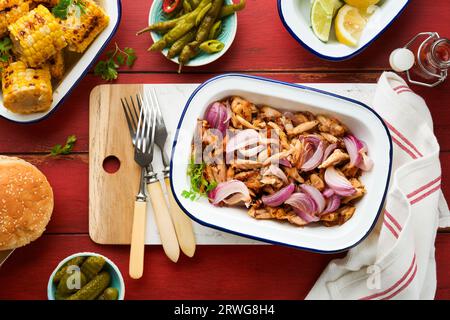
x=362, y=121
x=78, y=69
x=295, y=15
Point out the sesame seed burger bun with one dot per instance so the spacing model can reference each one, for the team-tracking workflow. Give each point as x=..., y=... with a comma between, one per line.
x=26, y=203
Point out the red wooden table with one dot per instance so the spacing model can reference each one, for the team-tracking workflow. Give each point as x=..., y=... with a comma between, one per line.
x=262, y=47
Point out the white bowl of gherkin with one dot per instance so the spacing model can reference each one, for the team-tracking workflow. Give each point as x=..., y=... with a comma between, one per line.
x=86, y=276
x=193, y=32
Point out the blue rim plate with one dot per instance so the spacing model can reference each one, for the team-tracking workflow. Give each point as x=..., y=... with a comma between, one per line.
x=362, y=121
x=294, y=15
x=229, y=29
x=73, y=76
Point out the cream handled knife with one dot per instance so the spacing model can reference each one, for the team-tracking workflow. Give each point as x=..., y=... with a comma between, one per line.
x=183, y=225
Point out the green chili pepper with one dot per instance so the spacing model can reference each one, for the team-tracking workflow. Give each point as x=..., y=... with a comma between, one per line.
x=183, y=27
x=202, y=14
x=195, y=3
x=212, y=46
x=215, y=30
x=187, y=6
x=178, y=45
x=192, y=49
x=232, y=8
x=164, y=26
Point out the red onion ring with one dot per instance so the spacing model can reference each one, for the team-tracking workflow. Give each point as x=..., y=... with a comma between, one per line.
x=316, y=195
x=316, y=159
x=226, y=189
x=338, y=182
x=304, y=206
x=333, y=204
x=277, y=172
x=328, y=192
x=218, y=116
x=278, y=197
x=329, y=150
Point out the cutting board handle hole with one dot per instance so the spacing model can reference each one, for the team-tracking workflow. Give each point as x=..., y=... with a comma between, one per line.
x=111, y=164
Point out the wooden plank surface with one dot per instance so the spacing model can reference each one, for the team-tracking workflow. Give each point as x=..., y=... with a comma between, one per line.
x=262, y=47
x=216, y=272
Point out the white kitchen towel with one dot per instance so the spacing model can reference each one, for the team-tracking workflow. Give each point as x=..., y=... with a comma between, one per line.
x=397, y=260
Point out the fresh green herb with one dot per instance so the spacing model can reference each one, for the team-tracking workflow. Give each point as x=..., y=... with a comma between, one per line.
x=5, y=48
x=107, y=69
x=61, y=10
x=199, y=185
x=66, y=149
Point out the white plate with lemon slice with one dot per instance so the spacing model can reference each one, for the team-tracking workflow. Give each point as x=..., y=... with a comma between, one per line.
x=331, y=29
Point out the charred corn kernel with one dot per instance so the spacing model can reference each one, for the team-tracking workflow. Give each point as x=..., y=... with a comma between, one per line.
x=26, y=90
x=56, y=64
x=37, y=36
x=10, y=12
x=81, y=29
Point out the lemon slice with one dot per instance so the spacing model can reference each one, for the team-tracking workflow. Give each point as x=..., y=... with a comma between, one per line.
x=349, y=25
x=361, y=3
x=321, y=18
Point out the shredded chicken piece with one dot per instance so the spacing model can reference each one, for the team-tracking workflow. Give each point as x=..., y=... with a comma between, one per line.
x=242, y=107
x=335, y=158
x=230, y=173
x=294, y=219
x=303, y=127
x=360, y=191
x=329, y=137
x=241, y=164
x=259, y=213
x=317, y=182
x=293, y=173
x=350, y=171
x=280, y=133
x=245, y=123
x=269, y=113
x=330, y=125
x=272, y=180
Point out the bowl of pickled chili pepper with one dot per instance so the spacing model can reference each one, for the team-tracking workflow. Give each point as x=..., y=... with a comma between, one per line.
x=193, y=32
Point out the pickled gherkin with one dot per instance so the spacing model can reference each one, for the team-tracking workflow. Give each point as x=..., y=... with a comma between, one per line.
x=72, y=262
x=93, y=288
x=70, y=282
x=109, y=294
x=92, y=266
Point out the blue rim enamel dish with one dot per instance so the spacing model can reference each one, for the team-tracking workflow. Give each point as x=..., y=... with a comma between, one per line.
x=362, y=121
x=227, y=35
x=78, y=70
x=295, y=15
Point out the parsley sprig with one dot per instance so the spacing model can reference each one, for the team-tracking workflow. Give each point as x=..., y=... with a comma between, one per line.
x=62, y=9
x=199, y=185
x=66, y=149
x=108, y=69
x=5, y=49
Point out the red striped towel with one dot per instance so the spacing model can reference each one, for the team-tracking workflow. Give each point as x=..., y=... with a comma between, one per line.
x=397, y=260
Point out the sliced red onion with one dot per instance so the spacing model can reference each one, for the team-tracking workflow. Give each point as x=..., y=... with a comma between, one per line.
x=218, y=116
x=234, y=188
x=242, y=139
x=329, y=150
x=277, y=172
x=316, y=159
x=278, y=197
x=333, y=204
x=304, y=206
x=338, y=182
x=353, y=146
x=366, y=164
x=316, y=195
x=328, y=192
x=285, y=162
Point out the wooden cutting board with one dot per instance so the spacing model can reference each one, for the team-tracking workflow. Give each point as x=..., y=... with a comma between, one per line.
x=111, y=196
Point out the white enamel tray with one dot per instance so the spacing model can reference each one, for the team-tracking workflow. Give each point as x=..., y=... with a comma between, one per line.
x=295, y=15
x=79, y=68
x=361, y=120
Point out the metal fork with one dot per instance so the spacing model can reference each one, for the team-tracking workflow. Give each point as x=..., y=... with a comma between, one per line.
x=183, y=225
x=142, y=130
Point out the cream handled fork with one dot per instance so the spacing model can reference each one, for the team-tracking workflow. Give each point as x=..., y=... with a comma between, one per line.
x=142, y=130
x=183, y=225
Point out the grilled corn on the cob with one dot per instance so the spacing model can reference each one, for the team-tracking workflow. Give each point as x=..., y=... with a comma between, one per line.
x=56, y=64
x=81, y=29
x=37, y=37
x=26, y=90
x=49, y=3
x=10, y=12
